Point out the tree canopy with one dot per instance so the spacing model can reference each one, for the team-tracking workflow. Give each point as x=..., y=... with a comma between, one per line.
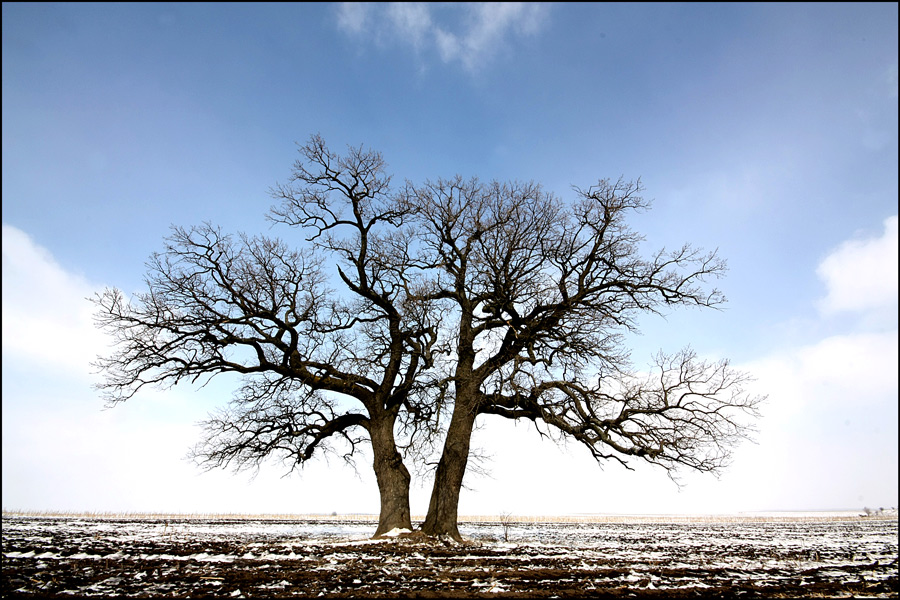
x=543, y=292
x=315, y=364
x=477, y=298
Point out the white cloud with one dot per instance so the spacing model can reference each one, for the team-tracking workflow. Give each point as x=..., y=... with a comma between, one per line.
x=861, y=275
x=827, y=439
x=62, y=451
x=487, y=28
x=47, y=319
x=829, y=432
x=75, y=456
x=472, y=40
x=828, y=436
x=834, y=376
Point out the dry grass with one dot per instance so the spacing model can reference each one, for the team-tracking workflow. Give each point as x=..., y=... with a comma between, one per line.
x=173, y=516
x=737, y=518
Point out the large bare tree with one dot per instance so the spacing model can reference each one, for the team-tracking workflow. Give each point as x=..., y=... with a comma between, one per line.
x=534, y=294
x=316, y=365
x=543, y=293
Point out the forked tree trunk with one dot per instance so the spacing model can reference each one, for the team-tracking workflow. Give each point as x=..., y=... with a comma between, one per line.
x=392, y=476
x=442, y=509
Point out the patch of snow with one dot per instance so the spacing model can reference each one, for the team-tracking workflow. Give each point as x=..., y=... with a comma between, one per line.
x=396, y=531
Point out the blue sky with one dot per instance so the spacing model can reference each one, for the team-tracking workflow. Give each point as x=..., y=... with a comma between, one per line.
x=768, y=131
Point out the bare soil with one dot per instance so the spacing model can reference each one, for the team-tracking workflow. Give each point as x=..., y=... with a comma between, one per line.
x=72, y=558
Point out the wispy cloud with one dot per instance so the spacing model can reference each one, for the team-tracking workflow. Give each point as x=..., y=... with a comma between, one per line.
x=352, y=16
x=411, y=21
x=469, y=34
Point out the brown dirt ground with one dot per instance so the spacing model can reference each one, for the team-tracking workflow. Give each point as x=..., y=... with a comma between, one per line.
x=414, y=568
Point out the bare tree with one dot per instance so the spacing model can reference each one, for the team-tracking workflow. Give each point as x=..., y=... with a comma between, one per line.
x=316, y=366
x=543, y=293
x=534, y=295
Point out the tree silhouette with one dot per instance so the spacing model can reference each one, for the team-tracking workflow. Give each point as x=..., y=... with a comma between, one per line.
x=317, y=367
x=543, y=293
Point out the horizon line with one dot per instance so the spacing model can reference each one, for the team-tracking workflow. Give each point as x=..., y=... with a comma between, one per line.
x=768, y=515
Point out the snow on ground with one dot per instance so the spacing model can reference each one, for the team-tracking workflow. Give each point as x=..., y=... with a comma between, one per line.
x=767, y=554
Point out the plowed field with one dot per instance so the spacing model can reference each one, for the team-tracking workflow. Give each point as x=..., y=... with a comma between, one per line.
x=266, y=558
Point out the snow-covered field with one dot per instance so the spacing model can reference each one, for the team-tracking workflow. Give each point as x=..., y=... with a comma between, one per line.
x=778, y=555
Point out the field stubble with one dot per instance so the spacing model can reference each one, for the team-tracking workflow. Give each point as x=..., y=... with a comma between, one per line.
x=332, y=557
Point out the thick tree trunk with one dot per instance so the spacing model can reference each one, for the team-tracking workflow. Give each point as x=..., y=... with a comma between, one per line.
x=442, y=509
x=392, y=476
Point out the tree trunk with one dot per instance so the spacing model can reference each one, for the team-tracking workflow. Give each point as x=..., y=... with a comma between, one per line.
x=442, y=509
x=392, y=476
